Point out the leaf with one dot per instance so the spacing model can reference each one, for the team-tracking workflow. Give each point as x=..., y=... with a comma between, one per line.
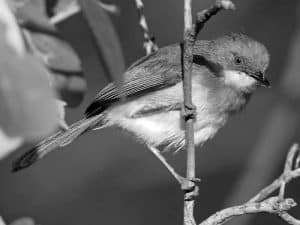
x=28, y=107
x=8, y=144
x=62, y=5
x=106, y=38
x=111, y=8
x=64, y=9
x=23, y=221
x=71, y=87
x=58, y=54
x=10, y=29
x=2, y=221
x=69, y=10
x=61, y=114
x=64, y=64
x=32, y=15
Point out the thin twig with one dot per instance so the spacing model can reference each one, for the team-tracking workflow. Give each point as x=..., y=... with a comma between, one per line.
x=273, y=205
x=288, y=168
x=189, y=110
x=205, y=15
x=289, y=219
x=287, y=175
x=149, y=41
x=276, y=205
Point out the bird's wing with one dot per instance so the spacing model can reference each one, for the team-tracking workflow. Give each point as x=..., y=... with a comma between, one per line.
x=153, y=72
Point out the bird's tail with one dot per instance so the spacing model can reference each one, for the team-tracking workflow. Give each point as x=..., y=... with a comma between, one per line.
x=59, y=139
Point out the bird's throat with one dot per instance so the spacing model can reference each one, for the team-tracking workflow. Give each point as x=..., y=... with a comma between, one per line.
x=239, y=80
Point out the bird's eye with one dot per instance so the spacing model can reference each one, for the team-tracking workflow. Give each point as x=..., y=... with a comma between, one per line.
x=238, y=60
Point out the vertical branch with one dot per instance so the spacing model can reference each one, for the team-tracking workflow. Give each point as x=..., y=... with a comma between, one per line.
x=189, y=110
x=149, y=43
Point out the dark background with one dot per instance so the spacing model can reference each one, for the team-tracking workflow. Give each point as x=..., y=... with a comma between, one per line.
x=107, y=178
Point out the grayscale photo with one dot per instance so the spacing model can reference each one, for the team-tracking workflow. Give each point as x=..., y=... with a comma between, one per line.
x=180, y=112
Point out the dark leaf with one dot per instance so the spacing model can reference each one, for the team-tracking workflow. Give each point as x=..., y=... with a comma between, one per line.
x=106, y=38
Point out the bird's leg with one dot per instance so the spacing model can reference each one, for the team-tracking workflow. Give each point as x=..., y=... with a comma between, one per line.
x=186, y=184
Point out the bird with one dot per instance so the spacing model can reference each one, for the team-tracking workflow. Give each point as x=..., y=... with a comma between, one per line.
x=226, y=71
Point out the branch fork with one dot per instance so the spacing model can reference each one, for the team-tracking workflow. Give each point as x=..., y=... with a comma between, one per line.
x=261, y=202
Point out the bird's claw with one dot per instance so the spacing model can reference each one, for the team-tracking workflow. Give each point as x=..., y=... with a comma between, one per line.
x=189, y=111
x=189, y=186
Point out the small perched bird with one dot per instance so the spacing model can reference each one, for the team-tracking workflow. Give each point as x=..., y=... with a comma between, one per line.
x=225, y=72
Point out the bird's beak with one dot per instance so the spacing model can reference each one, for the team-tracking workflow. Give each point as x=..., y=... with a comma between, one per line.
x=259, y=76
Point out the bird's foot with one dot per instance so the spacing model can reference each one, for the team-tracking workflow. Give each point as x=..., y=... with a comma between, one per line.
x=189, y=111
x=189, y=186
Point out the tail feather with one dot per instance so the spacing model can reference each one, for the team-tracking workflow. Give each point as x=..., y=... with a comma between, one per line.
x=59, y=139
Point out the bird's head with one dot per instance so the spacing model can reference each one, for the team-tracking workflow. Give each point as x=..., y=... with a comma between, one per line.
x=240, y=61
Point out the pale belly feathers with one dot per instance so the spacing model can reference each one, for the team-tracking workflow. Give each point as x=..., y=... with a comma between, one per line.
x=166, y=128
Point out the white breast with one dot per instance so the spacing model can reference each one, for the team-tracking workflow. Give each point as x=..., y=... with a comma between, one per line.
x=166, y=128
x=156, y=129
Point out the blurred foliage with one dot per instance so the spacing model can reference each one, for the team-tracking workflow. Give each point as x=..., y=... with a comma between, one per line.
x=23, y=221
x=31, y=14
x=8, y=144
x=48, y=62
x=63, y=64
x=25, y=93
x=20, y=221
x=28, y=108
x=46, y=42
x=105, y=37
